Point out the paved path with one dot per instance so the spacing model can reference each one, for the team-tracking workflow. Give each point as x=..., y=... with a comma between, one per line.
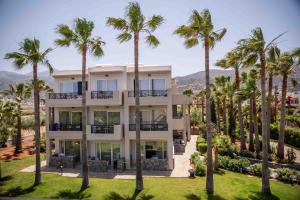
x=182, y=162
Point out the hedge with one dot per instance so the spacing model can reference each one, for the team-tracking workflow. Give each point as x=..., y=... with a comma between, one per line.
x=291, y=135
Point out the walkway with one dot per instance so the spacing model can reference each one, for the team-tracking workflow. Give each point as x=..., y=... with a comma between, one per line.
x=182, y=162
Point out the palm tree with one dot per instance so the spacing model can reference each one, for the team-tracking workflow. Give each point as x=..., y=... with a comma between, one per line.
x=234, y=60
x=255, y=48
x=30, y=53
x=43, y=87
x=200, y=28
x=220, y=84
x=286, y=66
x=217, y=93
x=20, y=93
x=230, y=89
x=201, y=94
x=133, y=25
x=81, y=37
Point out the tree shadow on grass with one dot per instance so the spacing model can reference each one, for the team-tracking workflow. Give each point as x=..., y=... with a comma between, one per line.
x=69, y=194
x=219, y=172
x=259, y=196
x=137, y=195
x=4, y=179
x=17, y=191
x=209, y=197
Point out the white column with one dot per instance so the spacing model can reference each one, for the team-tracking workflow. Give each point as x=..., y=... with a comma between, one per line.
x=170, y=131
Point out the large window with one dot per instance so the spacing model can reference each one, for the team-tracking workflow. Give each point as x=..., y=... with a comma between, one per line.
x=107, y=85
x=154, y=149
x=104, y=118
x=150, y=116
x=108, y=151
x=158, y=84
x=67, y=117
x=70, y=147
x=68, y=87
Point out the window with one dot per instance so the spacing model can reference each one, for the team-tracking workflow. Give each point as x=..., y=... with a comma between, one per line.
x=67, y=117
x=154, y=149
x=72, y=148
x=108, y=151
x=144, y=84
x=68, y=87
x=76, y=117
x=104, y=117
x=107, y=85
x=158, y=84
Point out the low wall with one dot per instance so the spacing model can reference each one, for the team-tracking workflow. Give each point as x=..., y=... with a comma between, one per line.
x=65, y=161
x=98, y=165
x=155, y=164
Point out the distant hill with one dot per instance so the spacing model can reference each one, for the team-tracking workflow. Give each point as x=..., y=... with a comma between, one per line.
x=7, y=78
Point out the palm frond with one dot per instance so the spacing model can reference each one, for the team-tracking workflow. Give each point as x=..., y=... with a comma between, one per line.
x=272, y=41
x=124, y=37
x=155, y=22
x=83, y=28
x=151, y=40
x=117, y=23
x=191, y=42
x=19, y=59
x=95, y=45
x=67, y=35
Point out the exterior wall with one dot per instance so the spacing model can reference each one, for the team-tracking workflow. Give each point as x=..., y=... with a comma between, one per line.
x=120, y=103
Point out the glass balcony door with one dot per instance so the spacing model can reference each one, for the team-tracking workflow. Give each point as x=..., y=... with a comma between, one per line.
x=107, y=85
x=106, y=118
x=108, y=151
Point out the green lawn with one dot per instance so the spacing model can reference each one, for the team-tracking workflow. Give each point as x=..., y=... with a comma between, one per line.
x=228, y=185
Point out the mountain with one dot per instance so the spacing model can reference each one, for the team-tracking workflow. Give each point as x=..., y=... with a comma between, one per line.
x=7, y=78
x=196, y=81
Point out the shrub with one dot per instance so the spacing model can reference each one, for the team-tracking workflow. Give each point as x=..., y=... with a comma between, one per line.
x=202, y=148
x=236, y=165
x=229, y=151
x=291, y=155
x=291, y=135
x=287, y=175
x=195, y=157
x=200, y=169
x=223, y=161
x=202, y=129
x=246, y=153
x=294, y=119
x=255, y=170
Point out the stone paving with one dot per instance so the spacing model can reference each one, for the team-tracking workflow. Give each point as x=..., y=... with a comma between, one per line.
x=182, y=162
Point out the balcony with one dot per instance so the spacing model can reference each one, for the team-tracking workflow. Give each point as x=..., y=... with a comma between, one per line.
x=150, y=127
x=65, y=127
x=105, y=98
x=63, y=99
x=104, y=132
x=149, y=93
x=148, y=97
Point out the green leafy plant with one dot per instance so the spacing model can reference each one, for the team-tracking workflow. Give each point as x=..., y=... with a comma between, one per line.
x=287, y=175
x=291, y=155
x=255, y=170
x=200, y=169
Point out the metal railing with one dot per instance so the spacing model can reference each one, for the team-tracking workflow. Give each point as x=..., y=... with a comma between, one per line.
x=65, y=127
x=102, y=94
x=102, y=129
x=71, y=95
x=150, y=127
x=149, y=93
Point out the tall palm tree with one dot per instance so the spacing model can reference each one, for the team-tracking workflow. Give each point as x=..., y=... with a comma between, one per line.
x=200, y=28
x=20, y=92
x=234, y=60
x=133, y=25
x=286, y=66
x=201, y=94
x=81, y=37
x=221, y=83
x=230, y=89
x=43, y=87
x=255, y=47
x=216, y=94
x=30, y=53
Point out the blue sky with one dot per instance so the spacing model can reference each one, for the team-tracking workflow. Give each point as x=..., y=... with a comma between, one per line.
x=34, y=18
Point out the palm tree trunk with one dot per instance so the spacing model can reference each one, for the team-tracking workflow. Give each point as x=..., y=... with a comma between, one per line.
x=19, y=131
x=270, y=86
x=216, y=158
x=231, y=120
x=209, y=177
x=251, y=144
x=38, y=177
x=280, y=148
x=139, y=176
x=219, y=115
x=275, y=103
x=265, y=170
x=224, y=116
x=240, y=111
x=84, y=159
x=202, y=109
x=255, y=123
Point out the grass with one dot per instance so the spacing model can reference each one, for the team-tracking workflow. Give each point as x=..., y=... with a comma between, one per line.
x=228, y=185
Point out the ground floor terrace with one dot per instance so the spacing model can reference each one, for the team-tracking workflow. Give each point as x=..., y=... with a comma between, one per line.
x=108, y=155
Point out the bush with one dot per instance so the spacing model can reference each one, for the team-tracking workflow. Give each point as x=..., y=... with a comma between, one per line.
x=291, y=155
x=294, y=119
x=291, y=135
x=236, y=165
x=202, y=148
x=246, y=153
x=287, y=175
x=195, y=157
x=229, y=151
x=200, y=169
x=256, y=169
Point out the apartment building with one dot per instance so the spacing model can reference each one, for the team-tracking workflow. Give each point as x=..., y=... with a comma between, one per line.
x=165, y=124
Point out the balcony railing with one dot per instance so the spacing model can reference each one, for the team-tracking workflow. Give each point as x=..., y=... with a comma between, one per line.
x=102, y=129
x=72, y=95
x=149, y=93
x=102, y=94
x=150, y=127
x=65, y=127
